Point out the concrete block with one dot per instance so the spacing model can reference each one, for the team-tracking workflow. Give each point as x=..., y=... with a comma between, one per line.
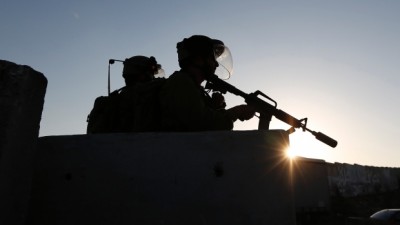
x=311, y=185
x=22, y=92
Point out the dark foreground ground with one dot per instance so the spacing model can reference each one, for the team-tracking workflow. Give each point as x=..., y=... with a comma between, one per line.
x=345, y=208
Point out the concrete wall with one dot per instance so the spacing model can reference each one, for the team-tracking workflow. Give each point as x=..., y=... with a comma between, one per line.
x=236, y=177
x=316, y=182
x=355, y=180
x=22, y=93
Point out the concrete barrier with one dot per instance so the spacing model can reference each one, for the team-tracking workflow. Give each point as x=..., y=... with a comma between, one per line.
x=239, y=177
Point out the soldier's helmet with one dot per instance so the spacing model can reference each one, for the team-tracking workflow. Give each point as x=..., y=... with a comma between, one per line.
x=200, y=45
x=141, y=68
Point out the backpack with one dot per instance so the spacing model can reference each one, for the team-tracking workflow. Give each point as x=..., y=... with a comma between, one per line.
x=129, y=109
x=103, y=118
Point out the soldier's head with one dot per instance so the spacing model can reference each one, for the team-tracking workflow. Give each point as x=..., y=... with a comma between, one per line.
x=204, y=53
x=140, y=69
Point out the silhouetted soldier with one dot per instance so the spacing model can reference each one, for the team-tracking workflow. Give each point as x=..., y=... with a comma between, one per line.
x=184, y=104
x=133, y=107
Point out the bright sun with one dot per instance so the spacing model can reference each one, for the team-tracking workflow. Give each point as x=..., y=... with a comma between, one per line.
x=302, y=144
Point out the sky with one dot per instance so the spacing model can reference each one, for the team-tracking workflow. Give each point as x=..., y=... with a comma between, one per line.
x=333, y=62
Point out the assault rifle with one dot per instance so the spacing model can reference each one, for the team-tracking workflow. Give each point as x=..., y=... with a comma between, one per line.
x=266, y=110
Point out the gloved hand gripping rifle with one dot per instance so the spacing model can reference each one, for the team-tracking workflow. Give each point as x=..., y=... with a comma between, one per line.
x=266, y=110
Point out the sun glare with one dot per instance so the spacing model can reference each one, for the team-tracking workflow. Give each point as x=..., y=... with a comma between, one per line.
x=290, y=153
